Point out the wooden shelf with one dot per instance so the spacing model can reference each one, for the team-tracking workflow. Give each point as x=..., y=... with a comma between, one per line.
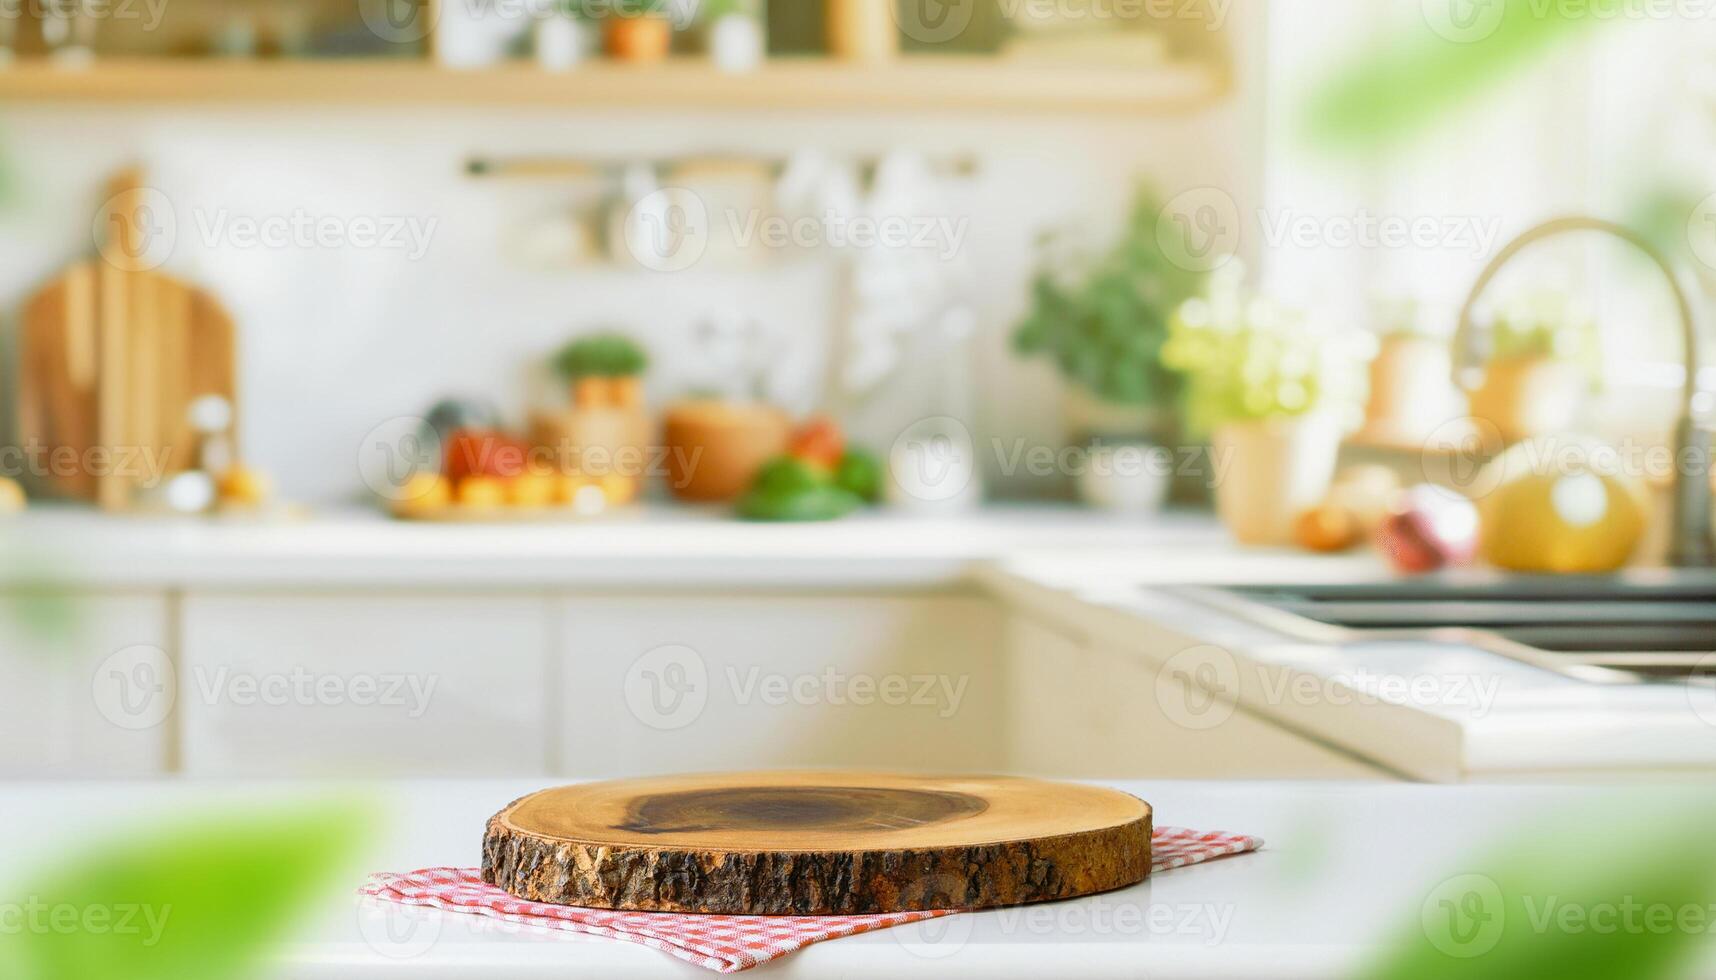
x=927, y=83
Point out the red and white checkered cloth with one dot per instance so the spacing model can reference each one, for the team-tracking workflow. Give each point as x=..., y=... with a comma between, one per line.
x=723, y=943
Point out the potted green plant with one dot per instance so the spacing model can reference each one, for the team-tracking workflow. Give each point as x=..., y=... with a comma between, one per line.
x=638, y=30
x=1275, y=391
x=608, y=427
x=1542, y=359
x=1103, y=322
x=604, y=370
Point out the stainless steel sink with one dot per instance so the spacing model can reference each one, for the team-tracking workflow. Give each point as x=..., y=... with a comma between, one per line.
x=1635, y=628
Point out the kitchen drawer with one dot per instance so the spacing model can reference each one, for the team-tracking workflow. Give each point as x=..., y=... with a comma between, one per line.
x=703, y=683
x=364, y=685
x=85, y=684
x=1083, y=710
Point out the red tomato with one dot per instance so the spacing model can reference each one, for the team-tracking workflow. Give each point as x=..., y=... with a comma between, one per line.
x=818, y=442
x=476, y=452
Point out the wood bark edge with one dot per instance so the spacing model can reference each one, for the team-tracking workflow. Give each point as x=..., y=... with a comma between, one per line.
x=664, y=879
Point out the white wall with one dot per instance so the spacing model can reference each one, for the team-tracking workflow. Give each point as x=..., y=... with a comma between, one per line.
x=1585, y=130
x=335, y=341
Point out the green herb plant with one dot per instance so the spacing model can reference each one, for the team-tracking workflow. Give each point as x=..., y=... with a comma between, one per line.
x=1104, y=324
x=1545, y=324
x=711, y=11
x=1245, y=358
x=607, y=355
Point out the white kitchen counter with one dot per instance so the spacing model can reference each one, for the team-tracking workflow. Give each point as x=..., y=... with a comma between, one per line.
x=1432, y=710
x=1346, y=870
x=658, y=547
x=1437, y=712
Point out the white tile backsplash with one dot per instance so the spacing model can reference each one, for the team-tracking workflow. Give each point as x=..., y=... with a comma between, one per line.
x=335, y=339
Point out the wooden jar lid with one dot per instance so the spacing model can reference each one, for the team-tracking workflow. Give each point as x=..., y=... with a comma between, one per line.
x=816, y=843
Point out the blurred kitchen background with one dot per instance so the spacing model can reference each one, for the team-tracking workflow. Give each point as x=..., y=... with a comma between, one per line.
x=911, y=339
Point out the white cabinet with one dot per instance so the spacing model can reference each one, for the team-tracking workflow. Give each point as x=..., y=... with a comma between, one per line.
x=688, y=683
x=1087, y=710
x=85, y=684
x=364, y=685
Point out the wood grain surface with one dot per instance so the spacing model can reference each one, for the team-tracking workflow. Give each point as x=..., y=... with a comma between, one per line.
x=816, y=843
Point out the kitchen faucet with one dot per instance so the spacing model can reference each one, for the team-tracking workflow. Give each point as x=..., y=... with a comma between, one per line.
x=1692, y=545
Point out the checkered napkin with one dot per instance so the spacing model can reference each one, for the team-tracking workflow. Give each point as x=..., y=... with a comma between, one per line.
x=723, y=943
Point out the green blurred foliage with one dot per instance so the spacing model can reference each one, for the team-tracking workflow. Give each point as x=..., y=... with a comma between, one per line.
x=1392, y=91
x=861, y=474
x=205, y=899
x=1553, y=899
x=608, y=355
x=789, y=489
x=1104, y=323
x=50, y=617
x=1246, y=358
x=1546, y=323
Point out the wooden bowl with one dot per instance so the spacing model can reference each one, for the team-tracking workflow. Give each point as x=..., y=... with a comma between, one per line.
x=715, y=448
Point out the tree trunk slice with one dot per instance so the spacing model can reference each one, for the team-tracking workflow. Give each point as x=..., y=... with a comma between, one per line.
x=807, y=843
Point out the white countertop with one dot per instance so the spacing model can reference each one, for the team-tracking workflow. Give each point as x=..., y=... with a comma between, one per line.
x=1479, y=717
x=659, y=547
x=1346, y=871
x=1440, y=711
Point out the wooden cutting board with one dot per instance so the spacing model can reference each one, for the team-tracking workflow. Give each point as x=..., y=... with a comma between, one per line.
x=112, y=355
x=816, y=843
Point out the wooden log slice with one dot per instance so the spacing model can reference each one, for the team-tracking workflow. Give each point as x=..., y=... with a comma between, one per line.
x=813, y=843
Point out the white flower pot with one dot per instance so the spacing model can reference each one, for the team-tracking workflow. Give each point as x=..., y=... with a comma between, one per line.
x=1130, y=478
x=736, y=43
x=561, y=43
x=1271, y=471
